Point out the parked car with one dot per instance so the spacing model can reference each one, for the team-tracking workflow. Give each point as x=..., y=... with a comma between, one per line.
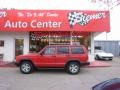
x=112, y=84
x=70, y=57
x=102, y=55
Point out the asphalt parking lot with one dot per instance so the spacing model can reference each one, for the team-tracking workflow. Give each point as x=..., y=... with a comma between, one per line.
x=12, y=79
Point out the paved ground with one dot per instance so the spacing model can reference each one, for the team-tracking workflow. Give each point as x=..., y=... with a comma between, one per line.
x=12, y=79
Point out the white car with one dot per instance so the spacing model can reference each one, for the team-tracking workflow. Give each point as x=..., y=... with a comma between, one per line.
x=102, y=55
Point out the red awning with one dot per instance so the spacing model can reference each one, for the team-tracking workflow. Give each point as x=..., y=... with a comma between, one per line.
x=55, y=20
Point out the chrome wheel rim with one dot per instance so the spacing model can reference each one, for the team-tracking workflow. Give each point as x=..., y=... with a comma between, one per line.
x=25, y=67
x=73, y=68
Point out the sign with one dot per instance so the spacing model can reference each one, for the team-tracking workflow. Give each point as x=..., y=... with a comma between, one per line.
x=54, y=20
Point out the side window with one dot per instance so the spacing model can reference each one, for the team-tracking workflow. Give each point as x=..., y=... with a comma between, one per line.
x=49, y=51
x=77, y=50
x=63, y=50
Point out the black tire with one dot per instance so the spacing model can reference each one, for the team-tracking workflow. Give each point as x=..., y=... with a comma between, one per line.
x=73, y=68
x=26, y=67
x=110, y=59
x=97, y=57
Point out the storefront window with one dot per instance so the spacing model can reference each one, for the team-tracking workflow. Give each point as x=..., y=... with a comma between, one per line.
x=39, y=40
x=1, y=43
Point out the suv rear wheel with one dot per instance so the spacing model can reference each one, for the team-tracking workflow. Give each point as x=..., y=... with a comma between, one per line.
x=26, y=67
x=73, y=67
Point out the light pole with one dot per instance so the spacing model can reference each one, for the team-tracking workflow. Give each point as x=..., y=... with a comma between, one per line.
x=71, y=32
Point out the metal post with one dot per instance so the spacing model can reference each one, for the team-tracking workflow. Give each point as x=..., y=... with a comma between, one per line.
x=91, y=55
x=49, y=38
x=92, y=43
x=71, y=32
x=106, y=35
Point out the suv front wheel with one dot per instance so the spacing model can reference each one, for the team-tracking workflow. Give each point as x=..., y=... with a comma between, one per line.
x=26, y=67
x=73, y=67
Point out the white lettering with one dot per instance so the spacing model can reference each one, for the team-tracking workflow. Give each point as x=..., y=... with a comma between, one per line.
x=24, y=25
x=49, y=24
x=41, y=14
x=3, y=14
x=39, y=24
x=52, y=14
x=32, y=23
x=82, y=18
x=18, y=24
x=57, y=24
x=96, y=16
x=7, y=24
x=45, y=24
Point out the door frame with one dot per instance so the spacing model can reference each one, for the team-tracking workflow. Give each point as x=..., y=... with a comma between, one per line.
x=15, y=45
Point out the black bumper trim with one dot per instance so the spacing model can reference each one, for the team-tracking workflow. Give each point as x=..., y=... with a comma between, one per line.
x=16, y=64
x=85, y=63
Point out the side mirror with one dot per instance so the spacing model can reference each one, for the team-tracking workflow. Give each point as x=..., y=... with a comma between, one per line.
x=42, y=53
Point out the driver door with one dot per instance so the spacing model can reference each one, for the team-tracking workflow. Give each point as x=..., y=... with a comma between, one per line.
x=48, y=57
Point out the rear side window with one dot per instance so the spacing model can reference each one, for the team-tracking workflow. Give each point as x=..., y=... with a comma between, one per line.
x=63, y=50
x=77, y=50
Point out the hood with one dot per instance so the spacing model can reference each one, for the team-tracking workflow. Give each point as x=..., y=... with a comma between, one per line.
x=105, y=54
x=28, y=55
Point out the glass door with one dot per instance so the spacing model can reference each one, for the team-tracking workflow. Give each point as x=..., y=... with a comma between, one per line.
x=19, y=44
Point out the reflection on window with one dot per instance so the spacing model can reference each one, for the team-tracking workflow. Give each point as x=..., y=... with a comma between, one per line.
x=63, y=50
x=77, y=50
x=1, y=43
x=49, y=51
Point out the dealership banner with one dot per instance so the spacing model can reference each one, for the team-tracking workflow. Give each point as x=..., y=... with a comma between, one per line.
x=54, y=20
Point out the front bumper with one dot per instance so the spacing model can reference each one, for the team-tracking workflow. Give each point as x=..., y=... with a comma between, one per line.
x=106, y=58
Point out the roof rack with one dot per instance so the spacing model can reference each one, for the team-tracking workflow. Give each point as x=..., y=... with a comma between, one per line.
x=59, y=43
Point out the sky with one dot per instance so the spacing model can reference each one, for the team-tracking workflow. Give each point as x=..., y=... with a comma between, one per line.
x=114, y=33
x=46, y=4
x=69, y=5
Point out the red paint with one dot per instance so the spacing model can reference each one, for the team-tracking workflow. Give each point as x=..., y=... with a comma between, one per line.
x=51, y=20
x=55, y=60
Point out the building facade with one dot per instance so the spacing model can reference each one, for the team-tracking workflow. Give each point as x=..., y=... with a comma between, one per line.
x=24, y=31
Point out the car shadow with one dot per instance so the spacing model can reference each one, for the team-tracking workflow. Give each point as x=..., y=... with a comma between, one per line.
x=59, y=71
x=55, y=71
x=103, y=60
x=51, y=70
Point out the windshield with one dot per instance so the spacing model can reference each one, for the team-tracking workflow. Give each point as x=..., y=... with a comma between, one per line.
x=99, y=51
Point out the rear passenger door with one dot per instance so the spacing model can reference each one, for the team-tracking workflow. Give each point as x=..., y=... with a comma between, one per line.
x=78, y=53
x=62, y=55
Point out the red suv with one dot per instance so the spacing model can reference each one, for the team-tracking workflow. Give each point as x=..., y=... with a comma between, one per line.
x=70, y=57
